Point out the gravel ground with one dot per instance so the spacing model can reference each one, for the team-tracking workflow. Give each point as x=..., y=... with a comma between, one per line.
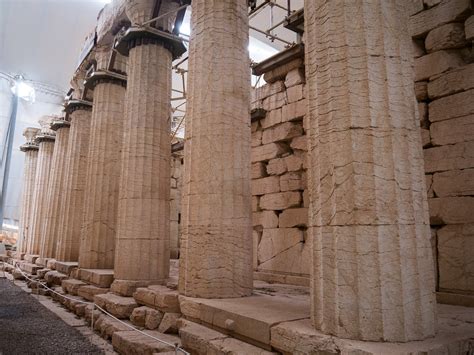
x=26, y=327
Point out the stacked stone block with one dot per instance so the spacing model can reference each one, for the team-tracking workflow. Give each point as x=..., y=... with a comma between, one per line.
x=279, y=200
x=443, y=35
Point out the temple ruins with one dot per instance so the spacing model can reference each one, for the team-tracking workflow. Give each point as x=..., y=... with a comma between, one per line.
x=327, y=209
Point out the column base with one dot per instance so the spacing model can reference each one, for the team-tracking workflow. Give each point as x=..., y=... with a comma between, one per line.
x=128, y=287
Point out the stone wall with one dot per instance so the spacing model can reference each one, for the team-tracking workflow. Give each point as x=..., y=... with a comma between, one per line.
x=443, y=33
x=279, y=197
x=175, y=202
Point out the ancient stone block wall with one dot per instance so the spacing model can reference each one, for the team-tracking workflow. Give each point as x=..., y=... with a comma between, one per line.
x=279, y=197
x=175, y=202
x=443, y=33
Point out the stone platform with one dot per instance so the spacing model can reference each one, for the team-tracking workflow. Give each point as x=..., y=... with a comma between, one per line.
x=30, y=258
x=98, y=277
x=30, y=268
x=66, y=267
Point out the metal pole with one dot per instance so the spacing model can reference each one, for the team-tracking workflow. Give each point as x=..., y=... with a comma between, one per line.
x=6, y=168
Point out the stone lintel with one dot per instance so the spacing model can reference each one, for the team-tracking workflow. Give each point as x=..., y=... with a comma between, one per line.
x=57, y=124
x=29, y=146
x=135, y=36
x=43, y=137
x=104, y=76
x=73, y=105
x=279, y=59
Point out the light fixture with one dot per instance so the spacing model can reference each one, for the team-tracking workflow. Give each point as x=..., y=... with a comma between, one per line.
x=23, y=90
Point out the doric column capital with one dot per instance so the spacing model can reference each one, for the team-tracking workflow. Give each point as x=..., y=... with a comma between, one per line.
x=137, y=36
x=44, y=137
x=74, y=105
x=29, y=146
x=59, y=123
x=105, y=76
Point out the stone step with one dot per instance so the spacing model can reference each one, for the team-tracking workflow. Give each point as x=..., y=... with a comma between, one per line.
x=134, y=343
x=158, y=297
x=31, y=258
x=42, y=272
x=89, y=291
x=146, y=317
x=42, y=261
x=107, y=326
x=201, y=340
x=66, y=267
x=119, y=306
x=54, y=278
x=71, y=286
x=97, y=277
x=30, y=268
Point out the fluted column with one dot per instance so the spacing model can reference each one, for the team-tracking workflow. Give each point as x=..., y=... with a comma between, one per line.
x=142, y=251
x=30, y=148
x=55, y=195
x=98, y=233
x=69, y=235
x=372, y=276
x=216, y=244
x=45, y=140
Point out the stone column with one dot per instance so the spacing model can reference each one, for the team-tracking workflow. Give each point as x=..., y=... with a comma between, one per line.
x=55, y=190
x=216, y=244
x=372, y=275
x=74, y=181
x=30, y=148
x=142, y=252
x=103, y=171
x=45, y=140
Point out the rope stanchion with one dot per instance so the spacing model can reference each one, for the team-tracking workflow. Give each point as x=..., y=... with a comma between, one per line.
x=176, y=347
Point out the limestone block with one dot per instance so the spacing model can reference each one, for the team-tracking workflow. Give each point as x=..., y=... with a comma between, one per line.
x=455, y=245
x=138, y=316
x=284, y=250
x=120, y=307
x=168, y=323
x=429, y=185
x=449, y=157
x=282, y=132
x=414, y=6
x=421, y=90
x=132, y=343
x=256, y=139
x=51, y=264
x=72, y=286
x=294, y=77
x=196, y=337
x=454, y=183
x=265, y=219
x=436, y=63
x=294, y=162
x=274, y=101
x=255, y=203
x=158, y=297
x=423, y=113
x=98, y=277
x=276, y=166
x=456, y=130
x=107, y=326
x=234, y=346
x=446, y=11
x=54, y=278
x=452, y=106
x=265, y=185
x=291, y=181
x=469, y=28
x=279, y=73
x=295, y=93
x=280, y=201
x=272, y=118
x=447, y=36
x=451, y=210
x=293, y=217
x=41, y=272
x=89, y=291
x=300, y=143
x=425, y=137
x=454, y=81
x=267, y=151
x=190, y=309
x=153, y=318
x=258, y=170
x=267, y=90
x=294, y=111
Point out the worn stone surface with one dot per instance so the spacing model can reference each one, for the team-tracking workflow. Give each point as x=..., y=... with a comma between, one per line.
x=54, y=278
x=447, y=36
x=55, y=193
x=72, y=286
x=436, y=63
x=159, y=297
x=451, y=210
x=265, y=185
x=88, y=292
x=133, y=343
x=265, y=219
x=169, y=323
x=293, y=217
x=451, y=82
x=456, y=130
x=454, y=183
x=98, y=233
x=216, y=247
x=43, y=171
x=69, y=234
x=268, y=151
x=120, y=307
x=66, y=267
x=281, y=132
x=449, y=157
x=366, y=175
x=294, y=77
x=280, y=200
x=469, y=28
x=457, y=105
x=99, y=277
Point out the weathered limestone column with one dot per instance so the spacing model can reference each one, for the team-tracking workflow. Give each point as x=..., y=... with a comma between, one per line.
x=45, y=140
x=55, y=189
x=103, y=170
x=30, y=148
x=143, y=236
x=216, y=244
x=372, y=276
x=74, y=181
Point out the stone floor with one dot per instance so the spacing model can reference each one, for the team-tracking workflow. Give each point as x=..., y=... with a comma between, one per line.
x=27, y=327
